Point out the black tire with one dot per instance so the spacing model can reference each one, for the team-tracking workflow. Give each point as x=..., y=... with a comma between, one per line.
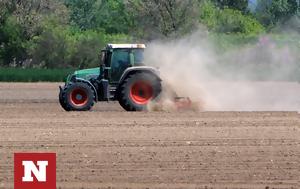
x=61, y=100
x=77, y=96
x=138, y=90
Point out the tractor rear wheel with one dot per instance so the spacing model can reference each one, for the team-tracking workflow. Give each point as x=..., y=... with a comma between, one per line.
x=77, y=97
x=138, y=90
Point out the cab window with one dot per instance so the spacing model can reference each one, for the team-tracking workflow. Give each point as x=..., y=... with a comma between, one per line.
x=138, y=56
x=120, y=61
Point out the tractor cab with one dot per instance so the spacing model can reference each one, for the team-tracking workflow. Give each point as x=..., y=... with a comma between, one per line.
x=116, y=58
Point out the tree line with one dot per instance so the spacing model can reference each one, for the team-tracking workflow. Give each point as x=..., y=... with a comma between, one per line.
x=70, y=33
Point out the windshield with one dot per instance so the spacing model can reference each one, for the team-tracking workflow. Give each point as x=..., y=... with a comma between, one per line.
x=138, y=55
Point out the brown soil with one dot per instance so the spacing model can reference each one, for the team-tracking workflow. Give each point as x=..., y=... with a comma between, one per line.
x=110, y=148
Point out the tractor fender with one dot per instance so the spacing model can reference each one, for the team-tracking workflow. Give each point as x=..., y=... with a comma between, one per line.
x=132, y=70
x=90, y=84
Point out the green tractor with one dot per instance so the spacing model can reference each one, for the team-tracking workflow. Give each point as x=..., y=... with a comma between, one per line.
x=122, y=77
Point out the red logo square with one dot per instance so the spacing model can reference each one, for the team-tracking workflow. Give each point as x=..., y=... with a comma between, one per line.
x=35, y=170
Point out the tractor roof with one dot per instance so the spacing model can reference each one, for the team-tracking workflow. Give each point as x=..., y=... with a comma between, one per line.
x=126, y=46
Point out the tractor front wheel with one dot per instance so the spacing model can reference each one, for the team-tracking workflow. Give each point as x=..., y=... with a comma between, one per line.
x=62, y=102
x=77, y=97
x=138, y=90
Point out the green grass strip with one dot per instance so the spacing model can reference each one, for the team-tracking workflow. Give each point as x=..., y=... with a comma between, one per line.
x=33, y=74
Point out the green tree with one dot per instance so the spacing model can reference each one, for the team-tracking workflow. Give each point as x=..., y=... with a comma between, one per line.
x=5, y=10
x=282, y=10
x=51, y=48
x=271, y=13
x=228, y=20
x=13, y=45
x=61, y=46
x=31, y=13
x=21, y=23
x=240, y=5
x=111, y=16
x=82, y=13
x=166, y=18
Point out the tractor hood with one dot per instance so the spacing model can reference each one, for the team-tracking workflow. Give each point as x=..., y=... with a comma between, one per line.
x=86, y=73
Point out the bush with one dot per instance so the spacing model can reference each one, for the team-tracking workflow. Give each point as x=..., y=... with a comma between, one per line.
x=88, y=45
x=65, y=46
x=51, y=49
x=228, y=20
x=13, y=45
x=227, y=42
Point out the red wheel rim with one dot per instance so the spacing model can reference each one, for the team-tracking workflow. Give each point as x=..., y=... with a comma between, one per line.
x=141, y=92
x=78, y=97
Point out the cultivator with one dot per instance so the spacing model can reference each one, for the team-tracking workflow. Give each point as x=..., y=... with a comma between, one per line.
x=183, y=103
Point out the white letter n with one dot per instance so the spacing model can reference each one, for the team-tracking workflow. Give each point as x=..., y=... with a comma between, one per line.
x=29, y=167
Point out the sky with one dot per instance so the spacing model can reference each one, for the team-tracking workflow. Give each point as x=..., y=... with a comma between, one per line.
x=252, y=5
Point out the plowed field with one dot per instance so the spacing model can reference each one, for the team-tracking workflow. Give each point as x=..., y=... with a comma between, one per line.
x=110, y=148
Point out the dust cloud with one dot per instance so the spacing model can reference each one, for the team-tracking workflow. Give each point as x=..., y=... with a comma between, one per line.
x=258, y=77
